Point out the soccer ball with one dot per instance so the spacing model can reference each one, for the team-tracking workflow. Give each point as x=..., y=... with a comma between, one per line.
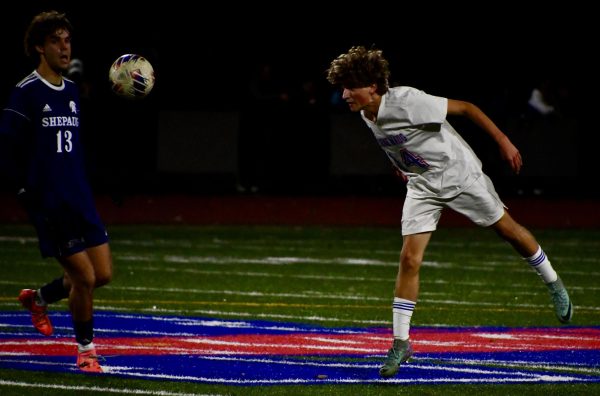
x=131, y=76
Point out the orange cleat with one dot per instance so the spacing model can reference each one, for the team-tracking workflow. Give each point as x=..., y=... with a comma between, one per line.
x=39, y=318
x=88, y=361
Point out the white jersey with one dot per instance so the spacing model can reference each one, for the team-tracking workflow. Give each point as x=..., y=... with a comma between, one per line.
x=411, y=128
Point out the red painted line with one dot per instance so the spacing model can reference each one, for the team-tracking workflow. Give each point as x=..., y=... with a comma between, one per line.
x=424, y=341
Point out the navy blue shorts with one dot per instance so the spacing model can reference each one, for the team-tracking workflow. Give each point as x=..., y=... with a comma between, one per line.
x=66, y=230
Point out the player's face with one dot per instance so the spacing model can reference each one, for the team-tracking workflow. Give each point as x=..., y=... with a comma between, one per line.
x=57, y=50
x=358, y=98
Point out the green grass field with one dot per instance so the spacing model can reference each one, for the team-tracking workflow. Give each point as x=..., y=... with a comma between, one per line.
x=329, y=276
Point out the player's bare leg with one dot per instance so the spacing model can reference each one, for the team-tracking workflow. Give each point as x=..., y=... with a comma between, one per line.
x=85, y=271
x=526, y=245
x=411, y=257
x=518, y=236
x=102, y=261
x=405, y=298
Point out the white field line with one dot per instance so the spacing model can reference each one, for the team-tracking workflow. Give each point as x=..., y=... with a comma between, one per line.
x=293, y=317
x=79, y=388
x=298, y=244
x=307, y=347
x=105, y=331
x=37, y=342
x=246, y=274
x=312, y=296
x=473, y=346
x=579, y=367
x=315, y=295
x=501, y=306
x=350, y=246
x=190, y=322
x=259, y=245
x=200, y=322
x=37, y=362
x=18, y=239
x=223, y=323
x=277, y=260
x=101, y=308
x=553, y=337
x=552, y=366
x=332, y=340
x=154, y=309
x=484, y=267
x=521, y=286
x=489, y=265
x=257, y=315
x=255, y=274
x=308, y=294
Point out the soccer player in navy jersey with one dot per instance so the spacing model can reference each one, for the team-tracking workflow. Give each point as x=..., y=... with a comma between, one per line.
x=42, y=124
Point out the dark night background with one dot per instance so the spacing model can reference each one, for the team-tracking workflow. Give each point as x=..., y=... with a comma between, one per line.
x=206, y=58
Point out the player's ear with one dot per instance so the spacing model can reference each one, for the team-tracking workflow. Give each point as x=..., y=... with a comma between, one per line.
x=39, y=49
x=372, y=88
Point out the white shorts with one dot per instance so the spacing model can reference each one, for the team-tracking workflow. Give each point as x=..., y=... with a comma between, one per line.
x=479, y=202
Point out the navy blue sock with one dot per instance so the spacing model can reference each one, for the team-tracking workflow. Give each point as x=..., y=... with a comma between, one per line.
x=84, y=331
x=54, y=291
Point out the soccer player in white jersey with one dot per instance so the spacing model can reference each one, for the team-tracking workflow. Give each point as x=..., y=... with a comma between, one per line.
x=441, y=171
x=42, y=123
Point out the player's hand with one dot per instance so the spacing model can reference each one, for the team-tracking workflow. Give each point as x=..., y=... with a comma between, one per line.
x=511, y=154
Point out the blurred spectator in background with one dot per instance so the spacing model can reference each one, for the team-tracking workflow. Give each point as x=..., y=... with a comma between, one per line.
x=539, y=102
x=546, y=128
x=542, y=98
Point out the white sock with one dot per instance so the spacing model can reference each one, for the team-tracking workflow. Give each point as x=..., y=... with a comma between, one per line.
x=85, y=348
x=402, y=312
x=540, y=263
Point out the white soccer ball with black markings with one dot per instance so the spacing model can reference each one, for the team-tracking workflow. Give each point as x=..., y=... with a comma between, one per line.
x=131, y=76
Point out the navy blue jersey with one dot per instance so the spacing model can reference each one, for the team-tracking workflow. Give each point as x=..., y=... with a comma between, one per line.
x=42, y=122
x=44, y=119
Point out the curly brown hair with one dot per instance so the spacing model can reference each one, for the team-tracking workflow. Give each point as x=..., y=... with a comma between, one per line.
x=359, y=68
x=43, y=25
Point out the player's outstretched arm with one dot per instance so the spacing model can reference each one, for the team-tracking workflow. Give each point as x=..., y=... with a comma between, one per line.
x=508, y=151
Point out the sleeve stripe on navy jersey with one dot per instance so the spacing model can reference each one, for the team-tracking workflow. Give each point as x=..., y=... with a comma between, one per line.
x=27, y=80
x=16, y=112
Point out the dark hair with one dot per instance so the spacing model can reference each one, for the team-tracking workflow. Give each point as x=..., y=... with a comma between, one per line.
x=360, y=68
x=43, y=25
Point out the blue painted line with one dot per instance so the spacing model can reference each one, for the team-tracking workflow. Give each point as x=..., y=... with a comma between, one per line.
x=427, y=368
x=202, y=369
x=575, y=358
x=139, y=325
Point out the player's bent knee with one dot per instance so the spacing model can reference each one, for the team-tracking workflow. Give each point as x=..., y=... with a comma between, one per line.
x=103, y=279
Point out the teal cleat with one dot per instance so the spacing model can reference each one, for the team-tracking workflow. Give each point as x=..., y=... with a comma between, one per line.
x=399, y=353
x=560, y=298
